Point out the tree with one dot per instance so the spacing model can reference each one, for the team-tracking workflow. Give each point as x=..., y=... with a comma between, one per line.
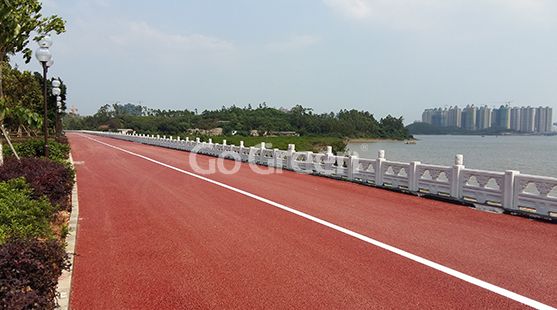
x=25, y=119
x=22, y=88
x=19, y=19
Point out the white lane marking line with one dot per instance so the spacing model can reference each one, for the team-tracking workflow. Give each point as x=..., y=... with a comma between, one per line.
x=457, y=274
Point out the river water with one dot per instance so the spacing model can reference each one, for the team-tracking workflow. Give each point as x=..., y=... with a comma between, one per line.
x=528, y=154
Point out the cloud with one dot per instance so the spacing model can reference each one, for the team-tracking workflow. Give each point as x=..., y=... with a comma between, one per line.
x=541, y=11
x=297, y=42
x=357, y=9
x=143, y=35
x=420, y=14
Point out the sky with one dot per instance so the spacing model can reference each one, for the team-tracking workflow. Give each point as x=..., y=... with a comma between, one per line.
x=393, y=57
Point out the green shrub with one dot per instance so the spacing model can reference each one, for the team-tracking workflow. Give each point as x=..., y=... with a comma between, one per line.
x=57, y=151
x=20, y=215
x=46, y=178
x=29, y=272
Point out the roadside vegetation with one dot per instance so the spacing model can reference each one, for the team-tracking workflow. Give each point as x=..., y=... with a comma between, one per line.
x=34, y=190
x=35, y=195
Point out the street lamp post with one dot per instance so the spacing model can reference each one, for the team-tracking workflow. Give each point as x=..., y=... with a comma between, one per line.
x=58, y=116
x=44, y=57
x=56, y=92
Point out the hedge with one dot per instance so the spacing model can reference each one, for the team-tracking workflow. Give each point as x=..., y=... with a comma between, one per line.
x=29, y=272
x=57, y=151
x=47, y=178
x=20, y=215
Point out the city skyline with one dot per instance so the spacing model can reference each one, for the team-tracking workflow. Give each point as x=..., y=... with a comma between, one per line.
x=505, y=117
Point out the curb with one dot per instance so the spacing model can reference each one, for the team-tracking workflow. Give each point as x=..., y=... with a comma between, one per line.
x=65, y=280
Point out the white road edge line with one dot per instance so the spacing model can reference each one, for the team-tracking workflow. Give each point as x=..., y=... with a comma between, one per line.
x=457, y=274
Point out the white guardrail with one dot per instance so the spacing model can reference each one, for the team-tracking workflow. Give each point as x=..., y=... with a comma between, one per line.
x=509, y=190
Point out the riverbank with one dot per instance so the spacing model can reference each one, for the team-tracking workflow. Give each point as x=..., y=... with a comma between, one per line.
x=372, y=140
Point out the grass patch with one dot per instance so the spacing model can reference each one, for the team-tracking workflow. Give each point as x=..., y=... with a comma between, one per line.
x=303, y=143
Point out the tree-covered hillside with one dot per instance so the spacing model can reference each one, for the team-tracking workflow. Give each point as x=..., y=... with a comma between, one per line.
x=242, y=120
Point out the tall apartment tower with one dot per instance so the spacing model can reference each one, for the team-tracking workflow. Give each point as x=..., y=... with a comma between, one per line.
x=427, y=116
x=483, y=119
x=516, y=119
x=454, y=117
x=549, y=119
x=502, y=118
x=544, y=120
x=469, y=117
x=527, y=119
x=444, y=117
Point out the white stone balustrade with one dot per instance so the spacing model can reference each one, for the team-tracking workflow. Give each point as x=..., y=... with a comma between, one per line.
x=434, y=179
x=395, y=174
x=509, y=190
x=484, y=187
x=541, y=199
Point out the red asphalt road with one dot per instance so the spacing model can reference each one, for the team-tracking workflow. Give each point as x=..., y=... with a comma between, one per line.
x=150, y=237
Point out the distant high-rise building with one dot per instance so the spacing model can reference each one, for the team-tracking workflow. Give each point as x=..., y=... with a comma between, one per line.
x=520, y=119
x=501, y=118
x=427, y=116
x=444, y=117
x=528, y=119
x=483, y=119
x=437, y=117
x=454, y=117
x=544, y=119
x=516, y=119
x=469, y=117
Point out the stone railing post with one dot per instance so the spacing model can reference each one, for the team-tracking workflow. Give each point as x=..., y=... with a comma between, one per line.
x=224, y=142
x=261, y=155
x=290, y=156
x=379, y=168
x=251, y=156
x=276, y=162
x=329, y=161
x=241, y=150
x=309, y=162
x=352, y=165
x=456, y=187
x=413, y=177
x=196, y=146
x=508, y=189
